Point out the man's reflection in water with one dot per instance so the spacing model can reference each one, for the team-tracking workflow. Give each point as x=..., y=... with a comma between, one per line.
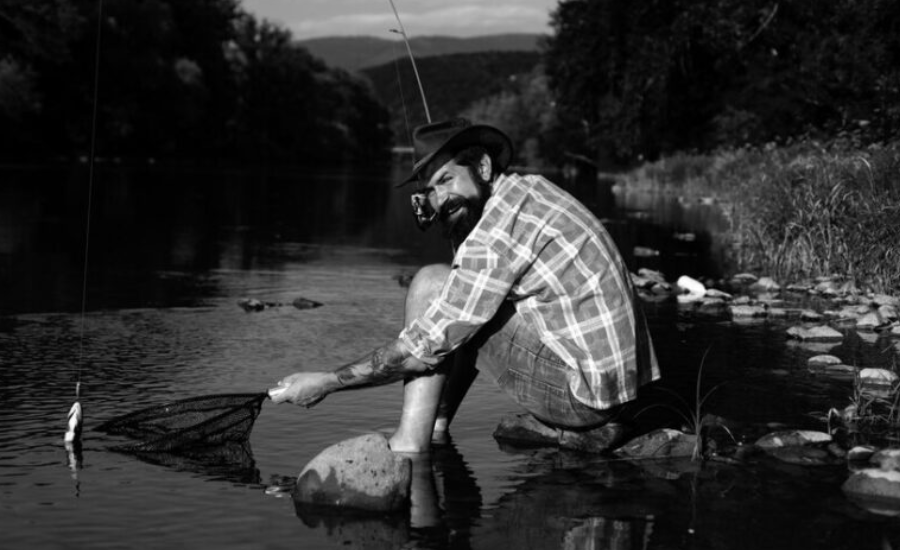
x=590, y=506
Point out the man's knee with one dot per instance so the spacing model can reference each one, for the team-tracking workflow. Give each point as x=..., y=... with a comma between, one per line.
x=428, y=281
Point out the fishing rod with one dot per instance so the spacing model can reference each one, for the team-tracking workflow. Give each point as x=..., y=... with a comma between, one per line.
x=402, y=32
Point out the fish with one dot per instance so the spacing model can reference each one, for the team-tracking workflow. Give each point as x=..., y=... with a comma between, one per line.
x=73, y=432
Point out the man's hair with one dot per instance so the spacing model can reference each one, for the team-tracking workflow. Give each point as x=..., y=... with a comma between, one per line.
x=470, y=157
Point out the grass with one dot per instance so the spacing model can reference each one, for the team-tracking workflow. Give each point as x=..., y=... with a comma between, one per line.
x=692, y=413
x=799, y=211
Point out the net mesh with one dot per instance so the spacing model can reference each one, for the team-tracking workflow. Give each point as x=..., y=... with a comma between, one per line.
x=188, y=423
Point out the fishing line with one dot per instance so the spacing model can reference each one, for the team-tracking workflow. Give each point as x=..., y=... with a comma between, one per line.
x=402, y=95
x=73, y=431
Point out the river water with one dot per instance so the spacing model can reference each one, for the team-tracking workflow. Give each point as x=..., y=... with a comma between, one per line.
x=172, y=251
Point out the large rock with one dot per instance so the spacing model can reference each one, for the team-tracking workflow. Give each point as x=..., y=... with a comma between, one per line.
x=877, y=382
x=361, y=473
x=790, y=438
x=875, y=489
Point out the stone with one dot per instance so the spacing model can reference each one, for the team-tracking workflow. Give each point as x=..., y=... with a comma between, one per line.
x=860, y=453
x=765, y=284
x=662, y=443
x=802, y=455
x=747, y=311
x=886, y=300
x=716, y=293
x=251, y=304
x=360, y=473
x=810, y=315
x=303, y=303
x=877, y=382
x=869, y=321
x=789, y=438
x=820, y=333
x=524, y=429
x=691, y=286
x=744, y=278
x=822, y=360
x=886, y=459
x=874, y=483
x=888, y=312
x=651, y=274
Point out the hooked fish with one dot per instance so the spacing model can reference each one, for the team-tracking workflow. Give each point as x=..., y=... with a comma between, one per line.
x=73, y=432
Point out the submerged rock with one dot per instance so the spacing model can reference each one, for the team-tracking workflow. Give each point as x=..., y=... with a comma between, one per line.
x=789, y=438
x=525, y=430
x=663, y=443
x=877, y=382
x=303, y=303
x=361, y=473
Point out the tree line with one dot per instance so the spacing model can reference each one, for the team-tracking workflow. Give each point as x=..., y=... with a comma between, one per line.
x=173, y=80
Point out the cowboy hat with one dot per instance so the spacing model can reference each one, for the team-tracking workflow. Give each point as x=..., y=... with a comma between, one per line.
x=430, y=140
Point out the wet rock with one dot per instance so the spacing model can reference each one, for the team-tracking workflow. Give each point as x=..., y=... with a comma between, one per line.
x=888, y=313
x=874, y=483
x=810, y=315
x=718, y=294
x=823, y=360
x=788, y=438
x=645, y=252
x=861, y=453
x=742, y=300
x=886, y=300
x=664, y=443
x=802, y=455
x=252, y=304
x=525, y=430
x=877, y=382
x=744, y=278
x=303, y=303
x=816, y=333
x=765, y=284
x=693, y=290
x=651, y=274
x=886, y=459
x=827, y=288
x=869, y=320
x=361, y=473
x=836, y=450
x=641, y=282
x=747, y=311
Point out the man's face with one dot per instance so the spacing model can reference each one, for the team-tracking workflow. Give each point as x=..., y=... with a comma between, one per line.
x=455, y=195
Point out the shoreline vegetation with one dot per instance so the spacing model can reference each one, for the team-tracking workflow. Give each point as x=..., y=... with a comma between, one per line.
x=797, y=212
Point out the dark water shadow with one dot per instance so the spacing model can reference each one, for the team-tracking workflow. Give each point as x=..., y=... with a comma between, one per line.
x=230, y=461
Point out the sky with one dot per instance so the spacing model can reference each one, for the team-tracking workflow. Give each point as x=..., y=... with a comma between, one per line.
x=463, y=18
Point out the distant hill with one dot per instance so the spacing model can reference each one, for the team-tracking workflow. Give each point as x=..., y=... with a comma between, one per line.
x=452, y=83
x=354, y=53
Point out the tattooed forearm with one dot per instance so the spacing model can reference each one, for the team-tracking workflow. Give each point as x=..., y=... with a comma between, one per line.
x=386, y=365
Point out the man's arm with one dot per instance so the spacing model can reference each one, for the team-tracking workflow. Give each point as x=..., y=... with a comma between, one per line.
x=387, y=364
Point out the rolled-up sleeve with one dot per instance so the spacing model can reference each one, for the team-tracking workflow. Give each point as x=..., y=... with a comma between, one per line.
x=479, y=281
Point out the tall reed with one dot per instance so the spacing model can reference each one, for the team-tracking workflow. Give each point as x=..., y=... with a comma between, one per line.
x=799, y=211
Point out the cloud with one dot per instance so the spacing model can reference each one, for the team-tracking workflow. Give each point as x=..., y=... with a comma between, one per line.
x=460, y=20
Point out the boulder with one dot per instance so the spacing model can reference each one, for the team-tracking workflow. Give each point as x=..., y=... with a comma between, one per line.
x=525, y=430
x=818, y=333
x=360, y=473
x=823, y=360
x=765, y=284
x=877, y=382
x=874, y=483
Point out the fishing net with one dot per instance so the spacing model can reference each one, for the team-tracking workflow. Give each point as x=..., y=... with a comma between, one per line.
x=191, y=423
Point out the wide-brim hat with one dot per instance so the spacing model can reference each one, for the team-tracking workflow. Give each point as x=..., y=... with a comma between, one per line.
x=430, y=140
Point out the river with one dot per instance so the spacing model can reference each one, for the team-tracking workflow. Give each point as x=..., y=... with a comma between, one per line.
x=171, y=252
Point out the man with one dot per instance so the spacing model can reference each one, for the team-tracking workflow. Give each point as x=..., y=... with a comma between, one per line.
x=537, y=297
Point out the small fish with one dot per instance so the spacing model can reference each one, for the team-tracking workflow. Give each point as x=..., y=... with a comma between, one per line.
x=73, y=433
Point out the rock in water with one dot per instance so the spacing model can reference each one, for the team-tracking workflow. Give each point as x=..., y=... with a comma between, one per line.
x=303, y=303
x=361, y=473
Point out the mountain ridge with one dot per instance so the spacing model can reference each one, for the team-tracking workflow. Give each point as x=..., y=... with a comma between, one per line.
x=355, y=53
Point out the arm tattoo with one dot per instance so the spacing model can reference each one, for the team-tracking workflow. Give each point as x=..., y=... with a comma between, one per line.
x=384, y=367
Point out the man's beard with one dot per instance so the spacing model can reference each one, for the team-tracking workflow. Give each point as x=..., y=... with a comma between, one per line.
x=470, y=210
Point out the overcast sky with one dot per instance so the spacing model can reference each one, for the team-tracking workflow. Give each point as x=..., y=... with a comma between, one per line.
x=312, y=18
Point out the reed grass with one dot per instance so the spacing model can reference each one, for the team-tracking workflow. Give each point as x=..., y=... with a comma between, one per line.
x=798, y=211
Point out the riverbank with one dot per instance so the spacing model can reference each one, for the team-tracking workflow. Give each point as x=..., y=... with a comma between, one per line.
x=797, y=212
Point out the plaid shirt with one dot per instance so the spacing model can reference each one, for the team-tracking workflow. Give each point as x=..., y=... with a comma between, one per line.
x=540, y=248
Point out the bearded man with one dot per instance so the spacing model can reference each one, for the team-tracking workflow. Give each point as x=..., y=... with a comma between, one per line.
x=537, y=297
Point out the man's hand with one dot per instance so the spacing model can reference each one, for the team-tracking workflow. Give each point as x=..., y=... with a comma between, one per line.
x=304, y=388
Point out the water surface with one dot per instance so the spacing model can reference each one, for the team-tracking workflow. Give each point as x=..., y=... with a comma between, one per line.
x=171, y=253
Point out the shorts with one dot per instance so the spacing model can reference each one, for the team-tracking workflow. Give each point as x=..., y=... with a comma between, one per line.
x=509, y=350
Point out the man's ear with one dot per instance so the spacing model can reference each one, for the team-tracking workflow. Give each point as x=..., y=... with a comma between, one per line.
x=485, y=168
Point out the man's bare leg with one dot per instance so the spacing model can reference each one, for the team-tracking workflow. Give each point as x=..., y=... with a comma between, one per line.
x=421, y=394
